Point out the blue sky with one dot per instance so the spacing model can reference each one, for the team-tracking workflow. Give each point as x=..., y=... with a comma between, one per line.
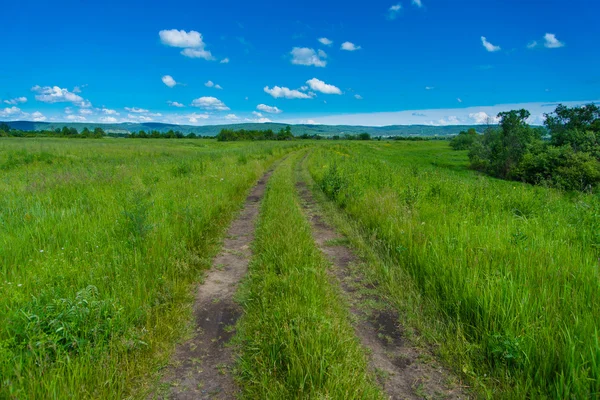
x=434, y=62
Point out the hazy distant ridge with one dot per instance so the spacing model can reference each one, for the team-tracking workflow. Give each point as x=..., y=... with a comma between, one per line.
x=213, y=130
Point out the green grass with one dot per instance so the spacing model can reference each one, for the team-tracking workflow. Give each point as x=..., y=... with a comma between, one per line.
x=504, y=276
x=296, y=338
x=99, y=243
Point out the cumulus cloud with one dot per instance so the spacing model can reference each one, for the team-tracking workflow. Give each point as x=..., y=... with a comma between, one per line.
x=192, y=43
x=76, y=118
x=417, y=3
x=358, y=97
x=194, y=117
x=225, y=60
x=55, y=94
x=268, y=109
x=320, y=86
x=16, y=101
x=108, y=120
x=306, y=56
x=259, y=115
x=488, y=46
x=325, y=41
x=169, y=81
x=551, y=42
x=175, y=104
x=211, y=84
x=459, y=100
x=176, y=38
x=429, y=87
x=9, y=111
x=451, y=120
x=38, y=116
x=108, y=111
x=279, y=92
x=349, y=46
x=85, y=111
x=231, y=117
x=136, y=110
x=532, y=45
x=210, y=104
x=482, y=117
x=393, y=11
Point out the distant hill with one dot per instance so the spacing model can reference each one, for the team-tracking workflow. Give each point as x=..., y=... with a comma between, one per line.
x=213, y=130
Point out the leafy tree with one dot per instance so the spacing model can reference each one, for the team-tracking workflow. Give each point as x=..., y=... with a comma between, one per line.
x=99, y=132
x=464, y=140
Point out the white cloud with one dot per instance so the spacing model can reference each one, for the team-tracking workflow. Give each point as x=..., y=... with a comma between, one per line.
x=176, y=38
x=429, y=87
x=533, y=44
x=259, y=115
x=85, y=111
x=231, y=116
x=108, y=120
x=16, y=101
x=260, y=120
x=197, y=53
x=108, y=111
x=38, y=116
x=194, y=46
x=10, y=111
x=459, y=100
x=325, y=41
x=175, y=104
x=393, y=11
x=417, y=3
x=349, y=46
x=76, y=118
x=211, y=84
x=210, y=103
x=194, y=117
x=225, y=60
x=306, y=56
x=488, y=46
x=451, y=120
x=287, y=93
x=76, y=89
x=136, y=110
x=268, y=109
x=55, y=94
x=482, y=117
x=320, y=86
x=358, y=97
x=551, y=42
x=169, y=81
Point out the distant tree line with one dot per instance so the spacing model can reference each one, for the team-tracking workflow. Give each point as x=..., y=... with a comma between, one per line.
x=97, y=133
x=230, y=135
x=171, y=134
x=565, y=154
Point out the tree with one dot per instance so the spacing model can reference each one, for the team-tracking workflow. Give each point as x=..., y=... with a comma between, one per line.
x=86, y=132
x=464, y=140
x=99, y=132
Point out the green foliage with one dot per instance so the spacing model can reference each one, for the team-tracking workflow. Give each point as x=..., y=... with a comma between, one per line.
x=229, y=135
x=570, y=161
x=464, y=140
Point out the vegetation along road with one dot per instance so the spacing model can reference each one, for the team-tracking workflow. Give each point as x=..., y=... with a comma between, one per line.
x=296, y=269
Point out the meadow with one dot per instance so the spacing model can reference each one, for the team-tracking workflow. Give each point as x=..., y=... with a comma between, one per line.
x=102, y=242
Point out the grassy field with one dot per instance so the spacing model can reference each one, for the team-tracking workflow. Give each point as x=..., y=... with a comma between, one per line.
x=503, y=276
x=101, y=241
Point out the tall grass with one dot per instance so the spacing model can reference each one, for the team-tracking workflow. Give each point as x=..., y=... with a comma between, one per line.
x=297, y=341
x=510, y=270
x=99, y=242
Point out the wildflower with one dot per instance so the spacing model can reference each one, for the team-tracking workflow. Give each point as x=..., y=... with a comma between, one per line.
x=41, y=251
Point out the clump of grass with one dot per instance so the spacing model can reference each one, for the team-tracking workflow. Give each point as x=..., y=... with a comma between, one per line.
x=297, y=339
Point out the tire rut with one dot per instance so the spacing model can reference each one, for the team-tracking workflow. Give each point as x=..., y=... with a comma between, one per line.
x=202, y=365
x=403, y=371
